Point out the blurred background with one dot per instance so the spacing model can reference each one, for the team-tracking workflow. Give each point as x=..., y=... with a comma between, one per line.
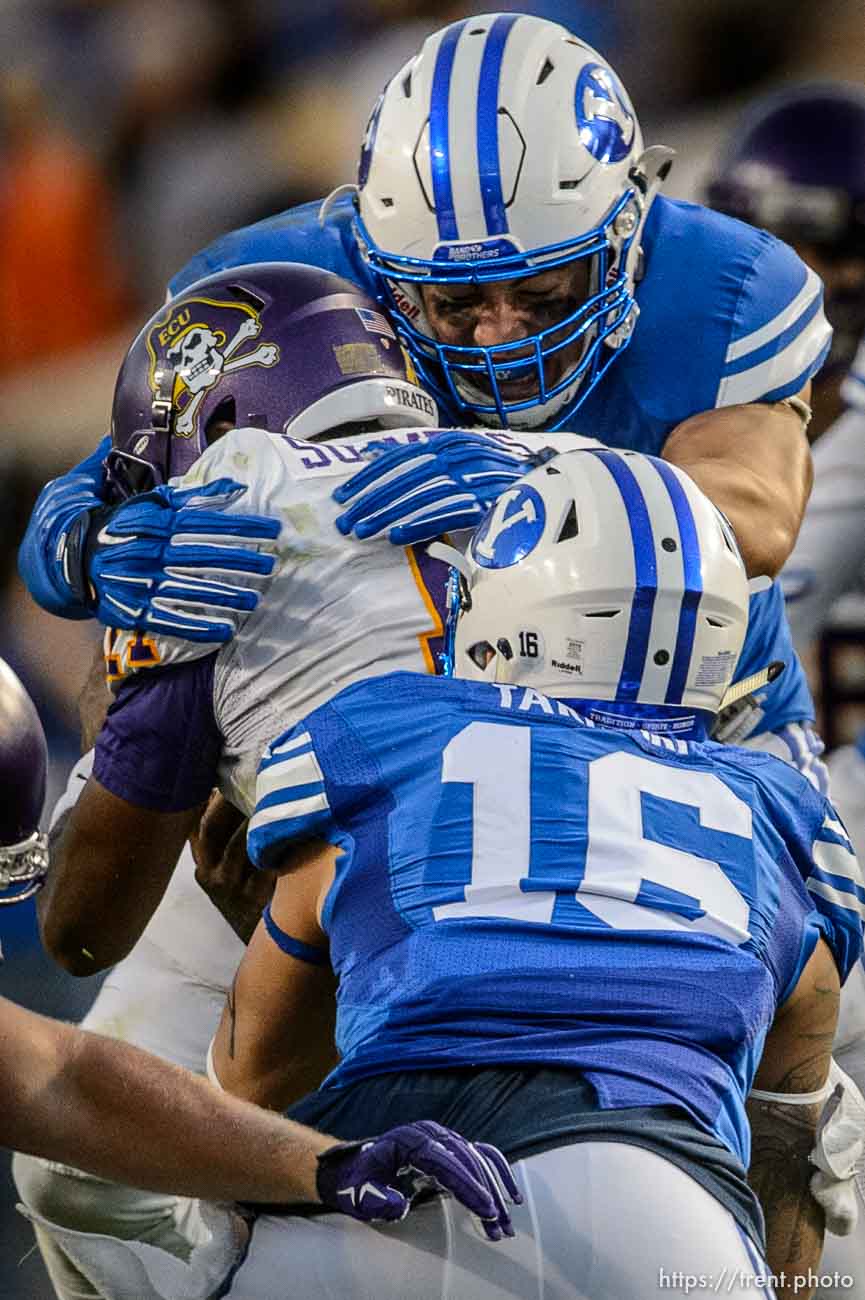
x=131, y=134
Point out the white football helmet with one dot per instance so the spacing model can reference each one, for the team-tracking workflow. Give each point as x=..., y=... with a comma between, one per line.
x=507, y=147
x=606, y=577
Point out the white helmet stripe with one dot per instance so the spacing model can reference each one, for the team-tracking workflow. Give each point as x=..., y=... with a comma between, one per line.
x=655, y=681
x=645, y=574
x=689, y=547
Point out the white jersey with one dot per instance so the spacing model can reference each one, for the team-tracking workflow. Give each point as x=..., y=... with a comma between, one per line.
x=335, y=609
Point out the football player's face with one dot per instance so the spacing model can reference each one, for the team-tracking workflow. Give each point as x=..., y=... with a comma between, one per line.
x=486, y=315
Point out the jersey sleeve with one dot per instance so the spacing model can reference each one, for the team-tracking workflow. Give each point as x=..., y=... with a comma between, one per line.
x=249, y=457
x=768, y=637
x=818, y=854
x=779, y=334
x=329, y=776
x=159, y=746
x=291, y=802
x=837, y=889
x=296, y=235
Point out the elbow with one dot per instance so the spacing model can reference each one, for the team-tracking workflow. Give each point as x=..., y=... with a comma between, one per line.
x=766, y=526
x=74, y=956
x=72, y=947
x=769, y=549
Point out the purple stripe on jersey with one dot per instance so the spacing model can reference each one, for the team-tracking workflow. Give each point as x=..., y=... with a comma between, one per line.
x=159, y=746
x=433, y=574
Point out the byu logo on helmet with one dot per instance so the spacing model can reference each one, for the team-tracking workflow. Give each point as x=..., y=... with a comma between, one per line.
x=606, y=125
x=511, y=530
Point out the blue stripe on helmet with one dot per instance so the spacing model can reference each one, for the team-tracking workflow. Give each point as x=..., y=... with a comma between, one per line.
x=489, y=168
x=689, y=543
x=439, y=128
x=645, y=574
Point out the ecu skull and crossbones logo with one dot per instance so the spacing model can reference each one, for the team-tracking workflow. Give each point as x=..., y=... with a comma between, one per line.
x=198, y=348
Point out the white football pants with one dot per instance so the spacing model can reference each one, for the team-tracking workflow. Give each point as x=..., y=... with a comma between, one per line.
x=601, y=1221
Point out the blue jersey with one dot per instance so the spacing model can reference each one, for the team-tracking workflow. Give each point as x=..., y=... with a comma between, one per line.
x=728, y=314
x=517, y=887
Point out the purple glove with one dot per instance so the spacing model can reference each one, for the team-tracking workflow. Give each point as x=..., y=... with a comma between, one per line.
x=376, y=1179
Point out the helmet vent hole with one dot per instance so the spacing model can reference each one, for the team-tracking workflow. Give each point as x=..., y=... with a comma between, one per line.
x=669, y=544
x=406, y=85
x=569, y=185
x=544, y=72
x=603, y=613
x=503, y=646
x=243, y=293
x=570, y=528
x=715, y=622
x=225, y=413
x=662, y=657
x=551, y=469
x=478, y=31
x=387, y=203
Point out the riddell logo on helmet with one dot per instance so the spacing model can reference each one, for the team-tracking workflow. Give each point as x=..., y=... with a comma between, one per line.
x=407, y=307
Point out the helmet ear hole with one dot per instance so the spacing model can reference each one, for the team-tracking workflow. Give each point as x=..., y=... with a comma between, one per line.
x=225, y=414
x=570, y=527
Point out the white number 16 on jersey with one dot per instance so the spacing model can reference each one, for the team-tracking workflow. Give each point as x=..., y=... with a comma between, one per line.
x=495, y=759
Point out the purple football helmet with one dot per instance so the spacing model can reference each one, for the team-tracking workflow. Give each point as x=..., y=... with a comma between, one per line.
x=796, y=166
x=277, y=345
x=23, y=763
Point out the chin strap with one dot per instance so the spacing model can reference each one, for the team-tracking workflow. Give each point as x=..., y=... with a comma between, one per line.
x=647, y=175
x=739, y=711
x=328, y=202
x=748, y=685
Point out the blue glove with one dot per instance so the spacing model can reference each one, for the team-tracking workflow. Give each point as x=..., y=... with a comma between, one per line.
x=162, y=562
x=60, y=503
x=422, y=490
x=377, y=1179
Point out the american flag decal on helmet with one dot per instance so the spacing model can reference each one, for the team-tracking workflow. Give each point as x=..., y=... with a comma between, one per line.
x=375, y=322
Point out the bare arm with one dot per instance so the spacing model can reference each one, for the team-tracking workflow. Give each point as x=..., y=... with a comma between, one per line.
x=275, y=1040
x=93, y=702
x=110, y=864
x=102, y=1105
x=754, y=462
x=795, y=1060
x=239, y=890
